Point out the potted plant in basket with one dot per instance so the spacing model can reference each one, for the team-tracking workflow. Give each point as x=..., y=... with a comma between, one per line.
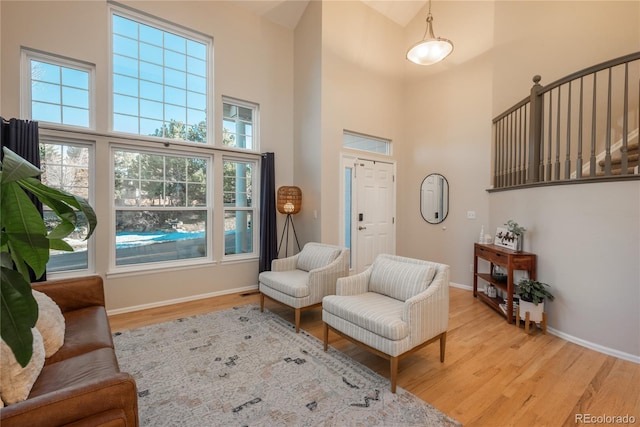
x=532, y=294
x=25, y=243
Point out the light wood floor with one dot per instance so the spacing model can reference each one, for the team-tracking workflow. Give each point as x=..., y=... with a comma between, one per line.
x=493, y=374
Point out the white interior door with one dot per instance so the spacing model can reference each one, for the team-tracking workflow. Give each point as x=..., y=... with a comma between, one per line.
x=373, y=207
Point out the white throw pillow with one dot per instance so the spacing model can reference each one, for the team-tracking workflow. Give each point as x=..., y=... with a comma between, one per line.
x=50, y=323
x=16, y=381
x=400, y=280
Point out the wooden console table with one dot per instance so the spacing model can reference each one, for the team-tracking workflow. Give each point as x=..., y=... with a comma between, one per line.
x=510, y=260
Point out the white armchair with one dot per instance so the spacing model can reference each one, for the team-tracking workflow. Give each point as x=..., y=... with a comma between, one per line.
x=302, y=280
x=395, y=307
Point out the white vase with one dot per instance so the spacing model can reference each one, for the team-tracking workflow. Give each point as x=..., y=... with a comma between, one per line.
x=535, y=311
x=519, y=242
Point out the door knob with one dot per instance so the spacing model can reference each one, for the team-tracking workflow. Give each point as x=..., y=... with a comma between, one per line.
x=362, y=228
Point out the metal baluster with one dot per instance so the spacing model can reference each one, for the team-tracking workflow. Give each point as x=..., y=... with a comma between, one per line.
x=580, y=111
x=592, y=158
x=499, y=150
x=519, y=145
x=512, y=147
x=624, y=164
x=556, y=167
x=525, y=146
x=547, y=175
x=567, y=159
x=607, y=155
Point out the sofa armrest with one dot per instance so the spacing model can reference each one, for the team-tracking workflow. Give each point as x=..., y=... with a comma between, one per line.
x=428, y=312
x=74, y=404
x=354, y=285
x=284, y=264
x=75, y=293
x=322, y=280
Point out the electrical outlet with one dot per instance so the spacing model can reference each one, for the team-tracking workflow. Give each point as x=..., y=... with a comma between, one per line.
x=471, y=214
x=470, y=268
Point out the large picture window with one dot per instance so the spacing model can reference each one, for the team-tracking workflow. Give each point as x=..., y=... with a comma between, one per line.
x=160, y=80
x=162, y=210
x=67, y=166
x=239, y=210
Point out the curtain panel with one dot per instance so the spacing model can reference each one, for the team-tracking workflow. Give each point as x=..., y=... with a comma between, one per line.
x=268, y=227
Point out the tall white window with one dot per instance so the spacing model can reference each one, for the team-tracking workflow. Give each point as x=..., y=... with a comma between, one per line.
x=57, y=90
x=239, y=207
x=239, y=124
x=162, y=207
x=160, y=79
x=67, y=166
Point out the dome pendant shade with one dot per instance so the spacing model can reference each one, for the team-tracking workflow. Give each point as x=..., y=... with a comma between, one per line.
x=430, y=49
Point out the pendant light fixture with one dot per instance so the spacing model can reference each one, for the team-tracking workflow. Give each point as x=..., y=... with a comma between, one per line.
x=430, y=49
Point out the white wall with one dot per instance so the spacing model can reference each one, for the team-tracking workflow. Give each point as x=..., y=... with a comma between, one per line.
x=361, y=91
x=308, y=120
x=253, y=60
x=448, y=131
x=587, y=237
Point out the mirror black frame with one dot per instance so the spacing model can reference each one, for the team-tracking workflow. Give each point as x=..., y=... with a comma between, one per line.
x=444, y=195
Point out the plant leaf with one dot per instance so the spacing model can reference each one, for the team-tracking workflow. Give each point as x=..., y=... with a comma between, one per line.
x=25, y=231
x=18, y=314
x=17, y=167
x=60, y=245
x=52, y=198
x=61, y=231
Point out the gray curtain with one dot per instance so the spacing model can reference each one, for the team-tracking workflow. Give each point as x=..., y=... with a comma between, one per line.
x=21, y=137
x=268, y=230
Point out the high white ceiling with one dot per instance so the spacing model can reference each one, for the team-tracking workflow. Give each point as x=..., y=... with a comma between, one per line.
x=288, y=12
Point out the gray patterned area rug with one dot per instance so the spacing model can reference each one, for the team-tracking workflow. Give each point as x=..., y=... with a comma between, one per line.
x=241, y=367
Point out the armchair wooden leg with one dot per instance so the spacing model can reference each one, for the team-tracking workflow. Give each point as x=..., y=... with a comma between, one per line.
x=297, y=310
x=443, y=344
x=326, y=336
x=261, y=302
x=394, y=373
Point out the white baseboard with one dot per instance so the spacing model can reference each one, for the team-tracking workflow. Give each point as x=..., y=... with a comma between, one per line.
x=593, y=346
x=460, y=286
x=584, y=343
x=180, y=300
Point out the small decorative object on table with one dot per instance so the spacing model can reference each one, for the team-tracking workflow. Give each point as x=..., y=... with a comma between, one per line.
x=510, y=237
x=499, y=274
x=492, y=292
x=532, y=294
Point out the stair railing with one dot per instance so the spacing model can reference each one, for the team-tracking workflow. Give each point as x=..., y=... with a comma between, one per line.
x=563, y=132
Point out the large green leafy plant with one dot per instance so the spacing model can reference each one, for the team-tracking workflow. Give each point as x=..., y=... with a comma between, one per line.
x=25, y=244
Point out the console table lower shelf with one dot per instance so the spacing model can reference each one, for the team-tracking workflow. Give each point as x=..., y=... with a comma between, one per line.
x=511, y=261
x=498, y=303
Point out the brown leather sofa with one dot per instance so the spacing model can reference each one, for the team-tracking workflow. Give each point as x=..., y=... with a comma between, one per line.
x=81, y=384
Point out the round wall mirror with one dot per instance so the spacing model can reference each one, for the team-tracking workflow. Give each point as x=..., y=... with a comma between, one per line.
x=434, y=198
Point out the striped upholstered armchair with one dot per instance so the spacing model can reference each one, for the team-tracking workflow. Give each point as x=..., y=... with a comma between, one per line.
x=302, y=280
x=395, y=307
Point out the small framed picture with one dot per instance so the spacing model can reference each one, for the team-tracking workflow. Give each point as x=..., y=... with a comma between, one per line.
x=506, y=239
